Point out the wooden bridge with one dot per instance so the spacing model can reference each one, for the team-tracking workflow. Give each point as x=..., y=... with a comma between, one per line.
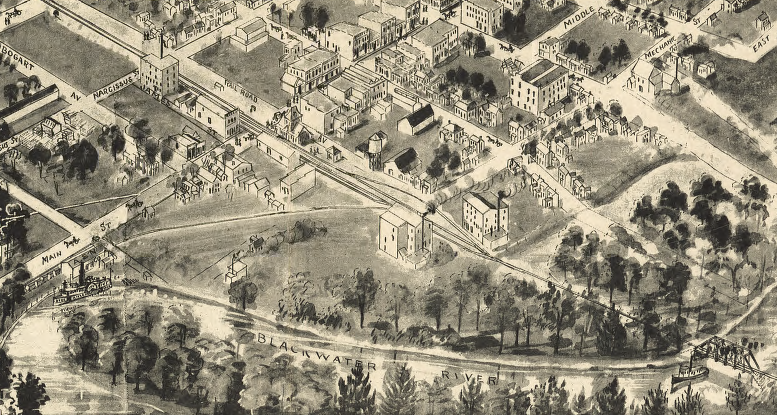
x=733, y=355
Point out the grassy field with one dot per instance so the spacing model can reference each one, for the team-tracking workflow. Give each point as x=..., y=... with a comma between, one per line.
x=611, y=165
x=538, y=21
x=98, y=186
x=54, y=47
x=257, y=71
x=740, y=27
x=132, y=103
x=717, y=132
x=598, y=34
x=746, y=87
x=41, y=235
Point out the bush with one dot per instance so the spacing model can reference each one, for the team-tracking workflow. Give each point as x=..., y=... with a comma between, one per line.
x=133, y=7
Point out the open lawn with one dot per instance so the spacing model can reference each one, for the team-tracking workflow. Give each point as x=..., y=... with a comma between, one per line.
x=98, y=186
x=746, y=87
x=598, y=34
x=52, y=46
x=612, y=164
x=424, y=143
x=740, y=27
x=339, y=11
x=717, y=132
x=539, y=21
x=132, y=103
x=257, y=71
x=187, y=256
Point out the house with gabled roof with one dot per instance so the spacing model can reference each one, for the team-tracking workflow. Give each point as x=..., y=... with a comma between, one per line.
x=416, y=121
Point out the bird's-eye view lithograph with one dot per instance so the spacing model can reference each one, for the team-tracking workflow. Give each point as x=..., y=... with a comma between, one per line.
x=388, y=207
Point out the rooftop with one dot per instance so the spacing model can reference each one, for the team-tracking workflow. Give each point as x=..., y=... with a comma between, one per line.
x=550, y=77
x=434, y=33
x=348, y=28
x=320, y=101
x=406, y=160
x=417, y=117
x=376, y=17
x=486, y=4
x=397, y=213
x=160, y=63
x=534, y=71
x=481, y=202
x=401, y=3
x=298, y=173
x=253, y=25
x=312, y=59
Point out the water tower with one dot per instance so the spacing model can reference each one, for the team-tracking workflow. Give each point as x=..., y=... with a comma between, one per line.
x=375, y=146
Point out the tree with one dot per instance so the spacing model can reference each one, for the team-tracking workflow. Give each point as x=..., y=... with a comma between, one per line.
x=166, y=155
x=611, y=400
x=117, y=143
x=674, y=283
x=571, y=47
x=5, y=131
x=462, y=76
x=354, y=394
x=558, y=312
x=611, y=335
x=40, y=155
x=81, y=158
x=476, y=80
x=6, y=376
x=689, y=404
x=550, y=398
x=480, y=43
x=397, y=296
x=616, y=275
x=650, y=321
x=737, y=398
x=322, y=17
x=290, y=17
x=489, y=88
x=109, y=320
x=461, y=290
x=399, y=392
x=656, y=402
x=435, y=169
x=140, y=355
x=307, y=14
x=30, y=394
x=243, y=292
x=273, y=8
x=436, y=301
x=455, y=162
x=502, y=310
x=11, y=93
x=583, y=51
x=621, y=52
x=564, y=259
x=450, y=75
x=466, y=94
x=592, y=316
x=479, y=276
x=139, y=130
x=361, y=293
x=472, y=398
x=169, y=367
x=605, y=56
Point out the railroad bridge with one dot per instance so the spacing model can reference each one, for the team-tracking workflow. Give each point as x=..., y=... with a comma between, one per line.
x=733, y=355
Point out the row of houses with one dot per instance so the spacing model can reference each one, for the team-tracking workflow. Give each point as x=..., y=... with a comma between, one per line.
x=374, y=29
x=553, y=49
x=471, y=146
x=646, y=27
